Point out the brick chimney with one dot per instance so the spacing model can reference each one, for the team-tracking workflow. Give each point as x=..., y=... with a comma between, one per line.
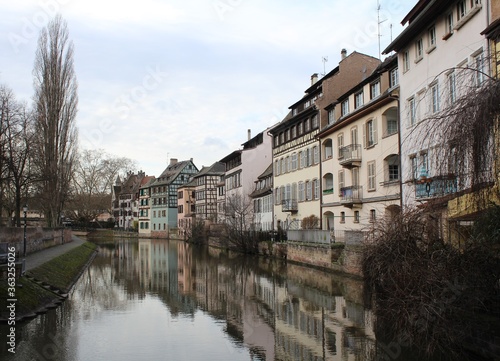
x=343, y=54
x=173, y=161
x=249, y=132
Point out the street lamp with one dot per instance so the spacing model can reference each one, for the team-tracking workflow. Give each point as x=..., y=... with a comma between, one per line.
x=25, y=210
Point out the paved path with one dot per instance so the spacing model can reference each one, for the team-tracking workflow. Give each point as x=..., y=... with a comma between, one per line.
x=36, y=259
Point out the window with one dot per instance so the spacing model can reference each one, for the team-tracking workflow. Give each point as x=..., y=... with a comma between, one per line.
x=412, y=111
x=303, y=159
x=354, y=135
x=308, y=190
x=406, y=61
x=342, y=217
x=479, y=66
x=276, y=140
x=424, y=158
x=371, y=133
x=307, y=125
x=375, y=89
x=328, y=183
x=277, y=167
x=294, y=161
x=461, y=9
x=414, y=167
x=283, y=166
x=300, y=129
x=452, y=88
x=356, y=216
x=419, y=50
x=449, y=25
x=316, y=154
x=431, y=33
x=288, y=164
x=340, y=142
x=314, y=121
x=287, y=135
x=392, y=163
x=316, y=188
x=373, y=215
x=328, y=149
x=345, y=107
x=309, y=157
x=294, y=132
x=358, y=100
x=391, y=121
x=301, y=192
x=394, y=78
x=435, y=98
x=331, y=116
x=371, y=176
x=277, y=196
x=341, y=181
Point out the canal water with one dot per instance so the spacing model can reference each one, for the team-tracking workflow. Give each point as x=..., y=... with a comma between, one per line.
x=168, y=300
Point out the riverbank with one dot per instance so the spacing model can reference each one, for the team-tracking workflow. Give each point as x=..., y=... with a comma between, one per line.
x=45, y=286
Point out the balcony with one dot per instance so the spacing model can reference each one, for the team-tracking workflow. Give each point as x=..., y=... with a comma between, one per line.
x=435, y=187
x=289, y=205
x=350, y=156
x=351, y=196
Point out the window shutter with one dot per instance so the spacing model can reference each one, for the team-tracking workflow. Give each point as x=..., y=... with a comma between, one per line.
x=375, y=139
x=365, y=134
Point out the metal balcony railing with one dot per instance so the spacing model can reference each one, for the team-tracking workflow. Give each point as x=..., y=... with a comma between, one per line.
x=289, y=205
x=350, y=155
x=351, y=195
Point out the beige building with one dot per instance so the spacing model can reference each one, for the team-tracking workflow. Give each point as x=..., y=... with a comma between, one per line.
x=296, y=149
x=360, y=168
x=185, y=208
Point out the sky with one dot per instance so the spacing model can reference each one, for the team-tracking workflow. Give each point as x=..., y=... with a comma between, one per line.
x=161, y=79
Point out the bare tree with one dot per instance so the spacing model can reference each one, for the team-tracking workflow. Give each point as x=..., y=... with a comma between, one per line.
x=94, y=175
x=56, y=102
x=239, y=230
x=17, y=136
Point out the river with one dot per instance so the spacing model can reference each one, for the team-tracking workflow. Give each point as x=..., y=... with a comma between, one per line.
x=168, y=300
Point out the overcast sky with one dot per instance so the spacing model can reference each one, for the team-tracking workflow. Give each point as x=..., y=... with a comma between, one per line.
x=162, y=79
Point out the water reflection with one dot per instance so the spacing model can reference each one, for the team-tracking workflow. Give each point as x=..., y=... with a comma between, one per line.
x=164, y=300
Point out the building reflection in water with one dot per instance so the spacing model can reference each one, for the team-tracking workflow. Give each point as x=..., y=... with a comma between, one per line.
x=292, y=314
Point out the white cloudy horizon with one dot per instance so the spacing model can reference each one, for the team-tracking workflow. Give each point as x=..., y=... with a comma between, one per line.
x=187, y=79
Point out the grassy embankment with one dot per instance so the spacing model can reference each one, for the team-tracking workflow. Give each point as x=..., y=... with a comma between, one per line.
x=44, y=286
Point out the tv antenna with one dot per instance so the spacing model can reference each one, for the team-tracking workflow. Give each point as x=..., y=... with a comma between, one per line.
x=379, y=34
x=324, y=59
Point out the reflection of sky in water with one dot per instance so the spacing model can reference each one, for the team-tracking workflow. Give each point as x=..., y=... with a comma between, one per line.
x=147, y=332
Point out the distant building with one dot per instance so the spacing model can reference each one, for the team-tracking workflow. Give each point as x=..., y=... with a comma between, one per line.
x=186, y=208
x=263, y=201
x=164, y=196
x=206, y=182
x=145, y=206
x=125, y=196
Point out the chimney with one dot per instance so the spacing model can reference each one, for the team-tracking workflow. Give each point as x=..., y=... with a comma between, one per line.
x=314, y=78
x=249, y=134
x=173, y=161
x=343, y=53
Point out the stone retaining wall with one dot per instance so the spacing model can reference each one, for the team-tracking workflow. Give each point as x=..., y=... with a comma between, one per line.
x=37, y=238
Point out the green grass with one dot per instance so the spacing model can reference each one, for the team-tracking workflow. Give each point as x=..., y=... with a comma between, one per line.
x=30, y=296
x=62, y=271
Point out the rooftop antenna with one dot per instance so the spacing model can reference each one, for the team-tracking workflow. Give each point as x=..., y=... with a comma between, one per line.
x=391, y=31
x=379, y=34
x=324, y=59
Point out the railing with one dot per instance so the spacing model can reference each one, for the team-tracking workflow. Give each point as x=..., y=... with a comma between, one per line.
x=350, y=153
x=435, y=187
x=326, y=237
x=352, y=194
x=328, y=191
x=289, y=205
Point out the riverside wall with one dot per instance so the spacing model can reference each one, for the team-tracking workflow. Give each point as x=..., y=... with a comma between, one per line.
x=336, y=257
x=37, y=238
